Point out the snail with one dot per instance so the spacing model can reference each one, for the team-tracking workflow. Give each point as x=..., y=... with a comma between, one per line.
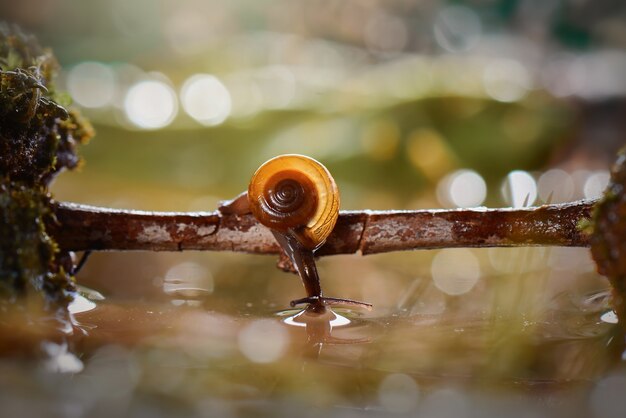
x=298, y=200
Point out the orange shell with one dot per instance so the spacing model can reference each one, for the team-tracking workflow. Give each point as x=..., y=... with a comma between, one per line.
x=303, y=183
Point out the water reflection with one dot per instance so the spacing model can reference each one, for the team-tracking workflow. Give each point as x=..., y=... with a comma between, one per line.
x=609, y=317
x=263, y=341
x=80, y=304
x=406, y=363
x=426, y=352
x=319, y=326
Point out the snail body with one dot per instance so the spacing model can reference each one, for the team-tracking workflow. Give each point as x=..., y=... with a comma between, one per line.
x=298, y=200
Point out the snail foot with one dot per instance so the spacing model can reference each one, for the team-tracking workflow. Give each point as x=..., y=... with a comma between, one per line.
x=323, y=301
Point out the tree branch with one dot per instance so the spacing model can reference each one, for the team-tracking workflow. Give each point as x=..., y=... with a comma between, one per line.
x=81, y=227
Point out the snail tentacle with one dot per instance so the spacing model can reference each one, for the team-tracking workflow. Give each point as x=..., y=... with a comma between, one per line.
x=240, y=205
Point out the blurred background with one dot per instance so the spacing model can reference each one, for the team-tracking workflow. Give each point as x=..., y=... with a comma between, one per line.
x=411, y=105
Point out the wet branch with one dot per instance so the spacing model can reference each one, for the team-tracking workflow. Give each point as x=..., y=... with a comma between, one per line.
x=81, y=227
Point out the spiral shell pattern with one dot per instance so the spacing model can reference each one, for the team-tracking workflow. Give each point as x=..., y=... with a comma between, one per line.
x=295, y=193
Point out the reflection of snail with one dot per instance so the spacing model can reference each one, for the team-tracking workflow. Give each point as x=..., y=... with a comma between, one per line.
x=319, y=328
x=298, y=200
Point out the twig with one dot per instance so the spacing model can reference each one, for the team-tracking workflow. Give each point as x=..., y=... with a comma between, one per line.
x=82, y=228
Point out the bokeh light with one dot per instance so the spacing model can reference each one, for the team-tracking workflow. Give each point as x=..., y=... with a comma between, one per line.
x=429, y=152
x=506, y=80
x=151, y=104
x=596, y=184
x=519, y=189
x=92, y=84
x=462, y=189
x=455, y=271
x=555, y=186
x=263, y=341
x=205, y=98
x=188, y=280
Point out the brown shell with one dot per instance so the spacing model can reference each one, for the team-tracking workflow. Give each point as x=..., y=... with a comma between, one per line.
x=295, y=193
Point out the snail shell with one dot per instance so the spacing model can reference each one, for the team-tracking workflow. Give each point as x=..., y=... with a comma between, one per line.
x=295, y=194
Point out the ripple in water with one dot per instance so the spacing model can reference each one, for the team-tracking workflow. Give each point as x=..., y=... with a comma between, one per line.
x=80, y=304
x=609, y=317
x=302, y=318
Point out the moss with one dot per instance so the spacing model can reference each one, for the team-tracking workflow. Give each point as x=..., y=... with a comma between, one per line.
x=28, y=261
x=38, y=139
x=585, y=226
x=608, y=241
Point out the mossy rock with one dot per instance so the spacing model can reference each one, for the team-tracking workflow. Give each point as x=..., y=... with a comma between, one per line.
x=38, y=139
x=608, y=241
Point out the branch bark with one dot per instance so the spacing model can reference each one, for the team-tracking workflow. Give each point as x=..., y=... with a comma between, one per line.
x=80, y=228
